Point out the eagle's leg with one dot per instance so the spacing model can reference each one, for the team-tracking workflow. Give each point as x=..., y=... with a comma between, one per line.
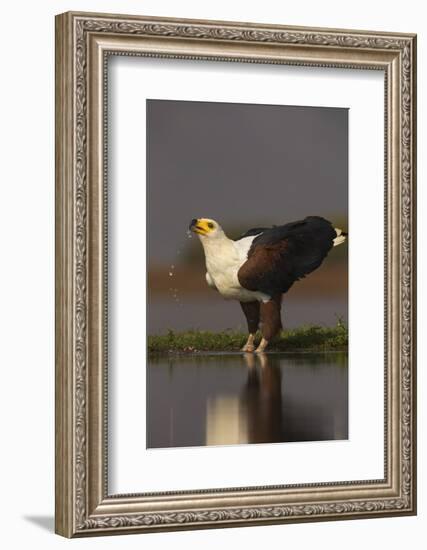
x=271, y=322
x=251, y=311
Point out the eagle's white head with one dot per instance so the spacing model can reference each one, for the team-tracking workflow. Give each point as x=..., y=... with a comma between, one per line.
x=206, y=228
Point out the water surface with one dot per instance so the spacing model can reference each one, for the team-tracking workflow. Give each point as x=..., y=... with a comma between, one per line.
x=227, y=399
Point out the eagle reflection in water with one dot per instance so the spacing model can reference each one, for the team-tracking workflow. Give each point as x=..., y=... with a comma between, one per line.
x=235, y=399
x=254, y=415
x=261, y=414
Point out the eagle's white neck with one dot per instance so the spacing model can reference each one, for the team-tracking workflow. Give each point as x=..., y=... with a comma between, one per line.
x=218, y=244
x=224, y=257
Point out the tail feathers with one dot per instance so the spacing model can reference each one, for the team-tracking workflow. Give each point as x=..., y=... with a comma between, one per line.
x=341, y=236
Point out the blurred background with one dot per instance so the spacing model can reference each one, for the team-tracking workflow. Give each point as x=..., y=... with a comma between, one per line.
x=244, y=166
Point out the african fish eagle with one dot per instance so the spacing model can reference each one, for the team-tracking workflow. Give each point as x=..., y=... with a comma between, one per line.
x=262, y=264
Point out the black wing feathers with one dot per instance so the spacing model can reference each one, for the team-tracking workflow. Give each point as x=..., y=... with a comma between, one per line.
x=253, y=231
x=281, y=255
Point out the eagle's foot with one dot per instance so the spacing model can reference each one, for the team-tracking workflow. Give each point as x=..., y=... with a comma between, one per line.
x=262, y=345
x=250, y=348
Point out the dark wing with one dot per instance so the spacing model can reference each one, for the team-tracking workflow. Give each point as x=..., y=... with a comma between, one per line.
x=281, y=255
x=253, y=231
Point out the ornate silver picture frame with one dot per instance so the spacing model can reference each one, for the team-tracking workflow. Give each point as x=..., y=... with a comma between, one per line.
x=84, y=42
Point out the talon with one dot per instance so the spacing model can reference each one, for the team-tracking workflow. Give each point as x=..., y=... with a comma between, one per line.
x=248, y=348
x=261, y=348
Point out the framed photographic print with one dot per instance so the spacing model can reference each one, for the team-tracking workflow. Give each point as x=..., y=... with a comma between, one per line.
x=235, y=274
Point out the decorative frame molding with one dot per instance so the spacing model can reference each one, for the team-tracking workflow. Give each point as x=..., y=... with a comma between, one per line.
x=83, y=42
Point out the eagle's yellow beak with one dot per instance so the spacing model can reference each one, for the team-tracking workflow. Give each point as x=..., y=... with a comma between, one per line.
x=200, y=226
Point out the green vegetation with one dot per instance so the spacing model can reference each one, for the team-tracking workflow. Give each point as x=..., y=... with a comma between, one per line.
x=307, y=338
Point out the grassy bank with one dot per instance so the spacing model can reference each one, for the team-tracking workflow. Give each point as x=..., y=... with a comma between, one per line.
x=307, y=338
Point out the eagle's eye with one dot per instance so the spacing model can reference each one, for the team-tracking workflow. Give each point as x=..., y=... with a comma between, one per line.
x=211, y=225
